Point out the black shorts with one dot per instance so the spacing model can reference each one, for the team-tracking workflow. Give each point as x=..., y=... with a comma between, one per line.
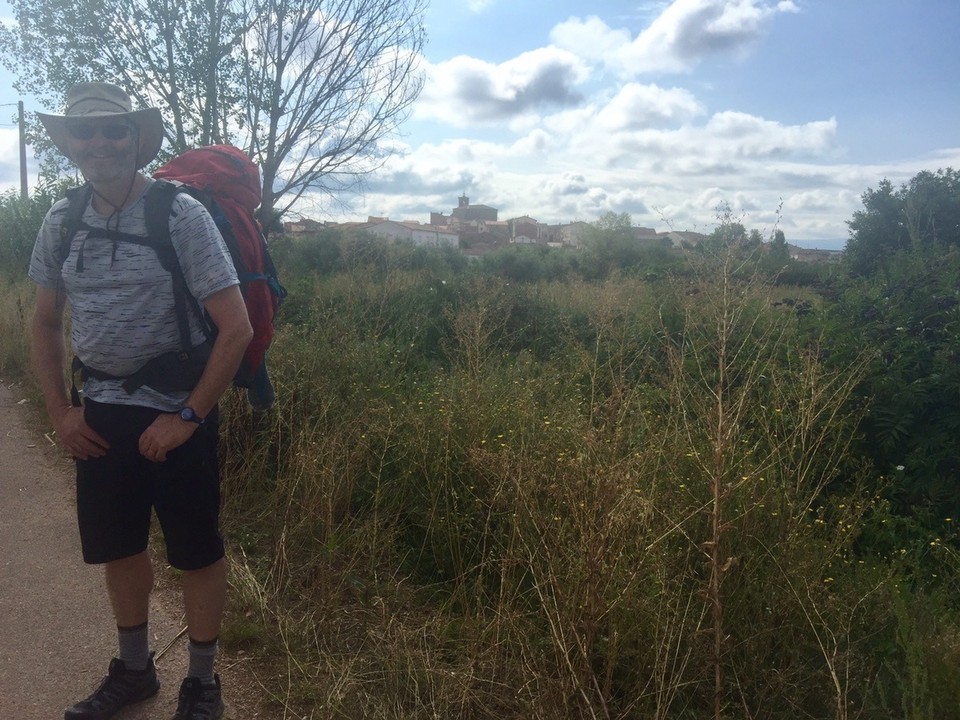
x=117, y=492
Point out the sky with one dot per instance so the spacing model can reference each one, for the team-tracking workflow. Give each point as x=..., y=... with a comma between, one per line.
x=783, y=111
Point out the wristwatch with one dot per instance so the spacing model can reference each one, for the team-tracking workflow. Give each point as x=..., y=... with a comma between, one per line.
x=188, y=415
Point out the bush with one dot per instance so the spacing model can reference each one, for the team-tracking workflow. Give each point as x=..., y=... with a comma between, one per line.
x=20, y=220
x=907, y=318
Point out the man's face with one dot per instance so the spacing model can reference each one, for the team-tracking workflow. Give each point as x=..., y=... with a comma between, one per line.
x=105, y=150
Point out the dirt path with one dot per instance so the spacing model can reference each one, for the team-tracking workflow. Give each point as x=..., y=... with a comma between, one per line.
x=56, y=630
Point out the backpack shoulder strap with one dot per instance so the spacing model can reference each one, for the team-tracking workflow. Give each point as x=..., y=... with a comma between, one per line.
x=158, y=207
x=78, y=198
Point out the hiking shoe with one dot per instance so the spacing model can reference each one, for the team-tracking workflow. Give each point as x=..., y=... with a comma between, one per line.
x=198, y=701
x=121, y=687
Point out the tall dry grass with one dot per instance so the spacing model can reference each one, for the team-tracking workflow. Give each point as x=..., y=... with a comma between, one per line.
x=481, y=499
x=16, y=302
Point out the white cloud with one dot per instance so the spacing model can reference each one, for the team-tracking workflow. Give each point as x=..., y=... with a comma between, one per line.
x=666, y=138
x=564, y=141
x=750, y=136
x=9, y=21
x=478, y=6
x=638, y=106
x=466, y=90
x=645, y=150
x=10, y=158
x=685, y=33
x=818, y=200
x=591, y=39
x=535, y=144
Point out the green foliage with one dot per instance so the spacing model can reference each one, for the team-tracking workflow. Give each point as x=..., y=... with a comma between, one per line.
x=931, y=208
x=611, y=246
x=598, y=483
x=799, y=273
x=778, y=254
x=577, y=498
x=922, y=214
x=908, y=316
x=531, y=263
x=318, y=256
x=901, y=301
x=20, y=221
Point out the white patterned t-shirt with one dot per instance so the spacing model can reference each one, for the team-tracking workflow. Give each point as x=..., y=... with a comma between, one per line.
x=121, y=298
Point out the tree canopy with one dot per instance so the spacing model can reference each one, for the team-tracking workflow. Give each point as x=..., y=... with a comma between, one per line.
x=921, y=214
x=899, y=302
x=311, y=89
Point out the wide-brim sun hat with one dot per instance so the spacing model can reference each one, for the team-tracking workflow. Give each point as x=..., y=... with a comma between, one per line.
x=102, y=100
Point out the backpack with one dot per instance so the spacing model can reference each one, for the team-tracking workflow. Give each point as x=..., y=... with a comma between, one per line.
x=227, y=182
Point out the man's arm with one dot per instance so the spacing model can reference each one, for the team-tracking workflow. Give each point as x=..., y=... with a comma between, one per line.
x=228, y=311
x=47, y=358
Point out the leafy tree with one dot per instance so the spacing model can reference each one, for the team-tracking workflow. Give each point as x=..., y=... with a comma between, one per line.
x=778, y=251
x=925, y=211
x=609, y=244
x=909, y=323
x=776, y=254
x=730, y=234
x=900, y=300
x=616, y=223
x=310, y=88
x=518, y=263
x=931, y=208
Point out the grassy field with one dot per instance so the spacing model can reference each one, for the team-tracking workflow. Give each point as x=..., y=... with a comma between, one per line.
x=617, y=499
x=634, y=496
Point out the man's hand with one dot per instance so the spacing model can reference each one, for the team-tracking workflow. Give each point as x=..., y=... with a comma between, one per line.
x=79, y=439
x=165, y=433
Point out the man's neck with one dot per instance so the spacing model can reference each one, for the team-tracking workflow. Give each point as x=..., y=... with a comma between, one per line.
x=112, y=197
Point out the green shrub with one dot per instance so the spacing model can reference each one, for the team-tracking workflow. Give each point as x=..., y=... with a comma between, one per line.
x=907, y=317
x=20, y=220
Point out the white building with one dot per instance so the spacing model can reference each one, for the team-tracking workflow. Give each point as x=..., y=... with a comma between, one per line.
x=419, y=235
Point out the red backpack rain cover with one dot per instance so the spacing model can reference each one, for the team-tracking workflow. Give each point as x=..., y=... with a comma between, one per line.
x=228, y=183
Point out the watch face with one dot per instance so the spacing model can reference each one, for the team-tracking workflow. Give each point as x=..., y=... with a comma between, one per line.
x=187, y=414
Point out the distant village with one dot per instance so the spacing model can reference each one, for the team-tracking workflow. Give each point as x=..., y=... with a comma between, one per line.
x=476, y=230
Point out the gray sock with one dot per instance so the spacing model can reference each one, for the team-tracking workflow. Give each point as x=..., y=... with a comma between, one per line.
x=134, y=646
x=202, y=657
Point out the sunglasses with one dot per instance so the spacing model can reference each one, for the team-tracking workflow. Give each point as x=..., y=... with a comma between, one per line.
x=87, y=131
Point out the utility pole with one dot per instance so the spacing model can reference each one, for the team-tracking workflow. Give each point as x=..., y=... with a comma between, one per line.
x=23, y=151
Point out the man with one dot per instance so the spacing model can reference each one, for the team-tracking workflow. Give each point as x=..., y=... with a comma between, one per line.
x=138, y=447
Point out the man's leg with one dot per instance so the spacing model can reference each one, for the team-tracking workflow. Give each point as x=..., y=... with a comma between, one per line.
x=129, y=584
x=132, y=677
x=113, y=510
x=204, y=597
x=188, y=507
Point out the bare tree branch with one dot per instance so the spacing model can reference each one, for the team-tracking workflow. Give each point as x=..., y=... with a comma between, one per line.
x=310, y=89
